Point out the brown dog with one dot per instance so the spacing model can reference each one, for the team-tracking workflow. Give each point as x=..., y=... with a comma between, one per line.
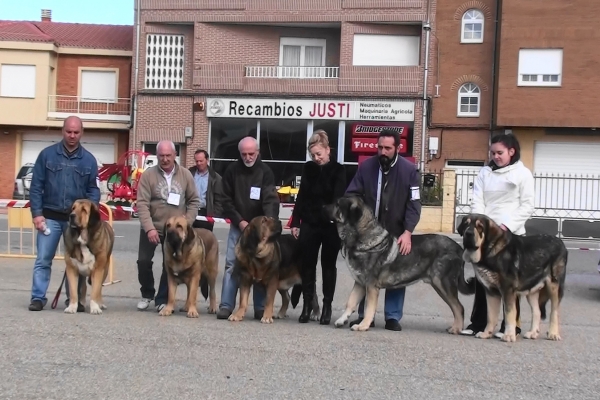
x=508, y=265
x=186, y=258
x=88, y=246
x=265, y=256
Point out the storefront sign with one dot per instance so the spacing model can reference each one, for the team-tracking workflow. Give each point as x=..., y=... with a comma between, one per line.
x=369, y=145
x=368, y=110
x=372, y=129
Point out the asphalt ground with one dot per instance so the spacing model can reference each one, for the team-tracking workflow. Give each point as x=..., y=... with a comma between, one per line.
x=127, y=354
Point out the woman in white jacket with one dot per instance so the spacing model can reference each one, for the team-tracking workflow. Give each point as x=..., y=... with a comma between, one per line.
x=504, y=191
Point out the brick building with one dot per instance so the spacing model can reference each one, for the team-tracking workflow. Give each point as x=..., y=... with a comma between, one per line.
x=531, y=73
x=210, y=73
x=51, y=70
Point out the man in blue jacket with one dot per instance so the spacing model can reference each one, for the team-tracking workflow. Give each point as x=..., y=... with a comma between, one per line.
x=63, y=173
x=390, y=185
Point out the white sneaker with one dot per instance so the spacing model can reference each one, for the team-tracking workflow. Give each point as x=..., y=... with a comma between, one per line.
x=160, y=307
x=498, y=335
x=144, y=304
x=467, y=332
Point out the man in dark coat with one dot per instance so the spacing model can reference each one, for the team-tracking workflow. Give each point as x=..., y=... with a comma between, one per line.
x=390, y=185
x=210, y=189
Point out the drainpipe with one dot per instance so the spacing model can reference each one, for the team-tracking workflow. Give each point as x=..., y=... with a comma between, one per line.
x=495, y=67
x=136, y=74
x=427, y=29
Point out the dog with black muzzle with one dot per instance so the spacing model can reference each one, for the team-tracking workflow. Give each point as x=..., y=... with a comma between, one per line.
x=88, y=247
x=184, y=258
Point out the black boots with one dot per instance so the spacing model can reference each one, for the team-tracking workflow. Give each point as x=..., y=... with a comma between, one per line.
x=329, y=280
x=306, y=310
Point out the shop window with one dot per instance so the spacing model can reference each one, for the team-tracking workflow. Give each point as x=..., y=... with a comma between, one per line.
x=332, y=129
x=226, y=133
x=349, y=155
x=283, y=140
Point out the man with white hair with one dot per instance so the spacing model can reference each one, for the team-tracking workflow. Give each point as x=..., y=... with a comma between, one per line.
x=164, y=191
x=249, y=191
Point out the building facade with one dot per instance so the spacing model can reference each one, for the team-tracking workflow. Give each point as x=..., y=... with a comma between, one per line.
x=209, y=75
x=49, y=71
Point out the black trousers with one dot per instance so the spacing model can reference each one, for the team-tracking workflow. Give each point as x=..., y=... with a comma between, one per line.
x=479, y=314
x=311, y=239
x=146, y=252
x=203, y=224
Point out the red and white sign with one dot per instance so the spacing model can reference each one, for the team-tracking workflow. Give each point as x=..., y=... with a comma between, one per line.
x=372, y=129
x=369, y=145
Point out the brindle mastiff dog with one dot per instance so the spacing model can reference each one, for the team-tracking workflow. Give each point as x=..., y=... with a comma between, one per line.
x=265, y=256
x=508, y=265
x=189, y=253
x=88, y=246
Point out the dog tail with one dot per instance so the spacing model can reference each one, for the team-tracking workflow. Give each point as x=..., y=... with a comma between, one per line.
x=467, y=286
x=204, y=286
x=296, y=292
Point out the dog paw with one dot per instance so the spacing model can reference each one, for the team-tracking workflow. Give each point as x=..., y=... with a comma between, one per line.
x=95, y=309
x=553, y=336
x=212, y=310
x=183, y=309
x=235, y=317
x=453, y=330
x=315, y=317
x=281, y=316
x=265, y=320
x=483, y=335
x=360, y=327
x=102, y=306
x=532, y=335
x=340, y=322
x=165, y=312
x=71, y=309
x=509, y=337
x=192, y=313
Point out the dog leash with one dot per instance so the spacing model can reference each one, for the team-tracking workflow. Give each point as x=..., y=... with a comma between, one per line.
x=55, y=301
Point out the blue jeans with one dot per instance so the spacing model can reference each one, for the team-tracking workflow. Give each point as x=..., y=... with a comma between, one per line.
x=394, y=303
x=230, y=285
x=46, y=250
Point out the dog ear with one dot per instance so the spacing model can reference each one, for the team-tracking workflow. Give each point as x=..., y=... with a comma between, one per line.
x=463, y=225
x=354, y=212
x=94, y=217
x=276, y=229
x=190, y=235
x=250, y=238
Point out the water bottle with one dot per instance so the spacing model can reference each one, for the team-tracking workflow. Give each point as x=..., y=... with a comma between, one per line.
x=46, y=229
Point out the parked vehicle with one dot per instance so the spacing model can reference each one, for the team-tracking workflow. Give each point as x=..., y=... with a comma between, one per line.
x=23, y=182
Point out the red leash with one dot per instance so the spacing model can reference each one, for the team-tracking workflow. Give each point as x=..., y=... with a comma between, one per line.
x=55, y=301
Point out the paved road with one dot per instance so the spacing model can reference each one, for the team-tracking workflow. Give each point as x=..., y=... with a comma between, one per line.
x=126, y=354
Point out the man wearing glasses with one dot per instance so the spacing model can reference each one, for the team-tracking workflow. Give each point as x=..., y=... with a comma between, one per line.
x=249, y=191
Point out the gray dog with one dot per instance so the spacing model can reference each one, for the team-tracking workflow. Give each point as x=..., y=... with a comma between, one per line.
x=375, y=262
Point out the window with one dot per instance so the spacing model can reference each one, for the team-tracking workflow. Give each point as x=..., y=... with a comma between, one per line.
x=225, y=134
x=540, y=67
x=472, y=27
x=333, y=131
x=99, y=86
x=283, y=140
x=17, y=81
x=302, y=58
x=386, y=50
x=164, y=62
x=469, y=97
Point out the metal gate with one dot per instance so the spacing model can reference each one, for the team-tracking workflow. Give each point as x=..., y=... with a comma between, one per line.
x=567, y=206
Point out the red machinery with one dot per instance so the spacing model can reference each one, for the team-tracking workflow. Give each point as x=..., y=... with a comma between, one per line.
x=122, y=179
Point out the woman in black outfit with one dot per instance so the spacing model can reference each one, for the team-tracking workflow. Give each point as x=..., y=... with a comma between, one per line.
x=323, y=182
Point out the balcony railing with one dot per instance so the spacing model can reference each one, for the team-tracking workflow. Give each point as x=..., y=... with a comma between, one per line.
x=292, y=72
x=61, y=107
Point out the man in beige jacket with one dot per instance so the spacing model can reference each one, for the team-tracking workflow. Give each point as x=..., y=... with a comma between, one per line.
x=164, y=190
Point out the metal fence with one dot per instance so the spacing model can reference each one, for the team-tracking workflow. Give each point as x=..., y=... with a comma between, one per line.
x=567, y=206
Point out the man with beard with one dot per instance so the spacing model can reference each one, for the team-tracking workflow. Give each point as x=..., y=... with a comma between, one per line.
x=389, y=184
x=249, y=191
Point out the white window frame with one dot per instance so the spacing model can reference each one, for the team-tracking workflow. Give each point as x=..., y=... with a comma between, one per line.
x=478, y=18
x=543, y=79
x=475, y=92
x=115, y=99
x=302, y=43
x=24, y=89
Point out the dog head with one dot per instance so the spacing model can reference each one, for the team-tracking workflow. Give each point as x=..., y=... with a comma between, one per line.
x=347, y=210
x=84, y=219
x=259, y=236
x=178, y=233
x=482, y=237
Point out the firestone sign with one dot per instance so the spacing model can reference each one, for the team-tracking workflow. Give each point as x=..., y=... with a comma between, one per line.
x=368, y=110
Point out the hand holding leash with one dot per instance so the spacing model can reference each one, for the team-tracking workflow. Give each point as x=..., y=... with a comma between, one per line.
x=404, y=242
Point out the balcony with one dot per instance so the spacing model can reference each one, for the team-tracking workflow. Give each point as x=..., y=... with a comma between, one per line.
x=108, y=110
x=292, y=72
